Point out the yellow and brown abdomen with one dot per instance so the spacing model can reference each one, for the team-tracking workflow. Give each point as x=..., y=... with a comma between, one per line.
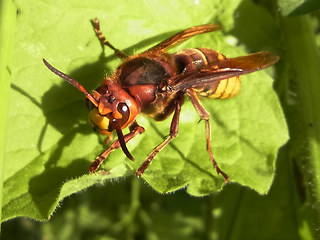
x=189, y=60
x=226, y=88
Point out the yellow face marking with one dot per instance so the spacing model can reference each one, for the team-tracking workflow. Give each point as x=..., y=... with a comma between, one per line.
x=100, y=122
x=103, y=110
x=117, y=115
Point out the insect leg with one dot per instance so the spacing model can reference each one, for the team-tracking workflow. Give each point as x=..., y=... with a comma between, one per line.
x=103, y=40
x=204, y=115
x=173, y=133
x=135, y=129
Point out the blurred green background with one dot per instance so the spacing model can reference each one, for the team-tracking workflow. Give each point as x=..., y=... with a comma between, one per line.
x=126, y=207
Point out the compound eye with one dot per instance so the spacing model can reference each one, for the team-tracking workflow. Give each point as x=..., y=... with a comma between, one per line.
x=123, y=109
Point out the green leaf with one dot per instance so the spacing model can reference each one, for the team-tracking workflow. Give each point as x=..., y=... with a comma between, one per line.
x=298, y=7
x=50, y=145
x=302, y=74
x=7, y=23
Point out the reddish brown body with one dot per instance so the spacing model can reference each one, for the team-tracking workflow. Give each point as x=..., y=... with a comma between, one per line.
x=155, y=82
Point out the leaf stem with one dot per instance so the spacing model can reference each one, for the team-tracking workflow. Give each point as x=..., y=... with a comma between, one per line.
x=7, y=26
x=303, y=58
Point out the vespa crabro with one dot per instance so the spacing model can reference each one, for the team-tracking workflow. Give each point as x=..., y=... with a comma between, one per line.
x=155, y=83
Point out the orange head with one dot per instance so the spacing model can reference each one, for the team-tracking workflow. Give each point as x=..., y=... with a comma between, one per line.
x=112, y=108
x=115, y=107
